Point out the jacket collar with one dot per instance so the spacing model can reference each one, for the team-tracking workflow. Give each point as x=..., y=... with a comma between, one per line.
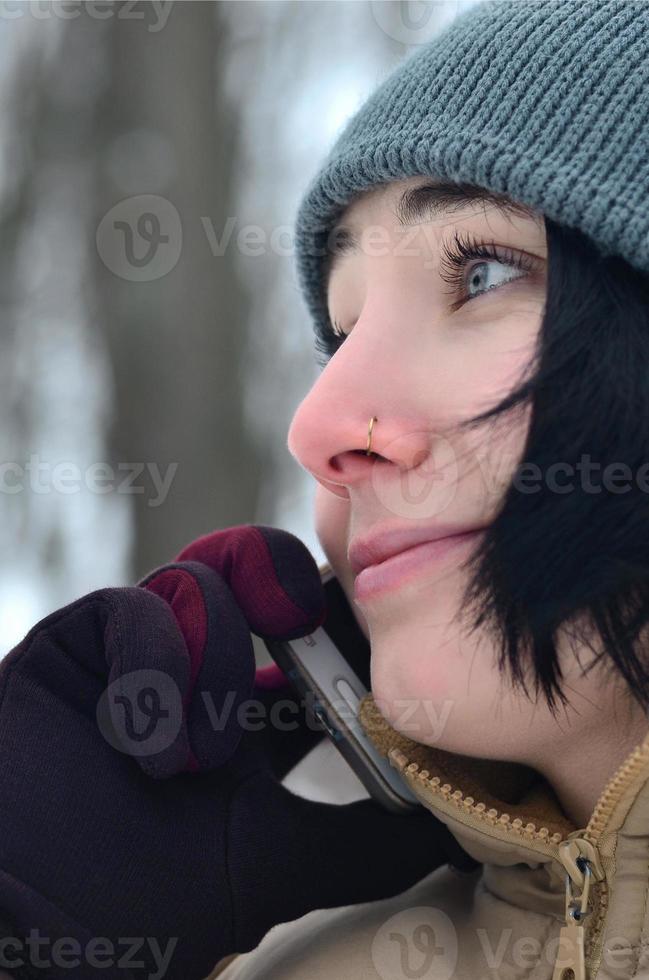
x=506, y=814
x=495, y=801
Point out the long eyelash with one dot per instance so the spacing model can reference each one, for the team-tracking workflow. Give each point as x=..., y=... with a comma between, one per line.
x=457, y=253
x=455, y=256
x=327, y=342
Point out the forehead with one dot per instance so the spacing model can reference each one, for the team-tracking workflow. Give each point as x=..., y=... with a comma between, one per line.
x=412, y=201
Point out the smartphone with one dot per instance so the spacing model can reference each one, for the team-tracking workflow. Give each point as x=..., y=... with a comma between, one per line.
x=330, y=670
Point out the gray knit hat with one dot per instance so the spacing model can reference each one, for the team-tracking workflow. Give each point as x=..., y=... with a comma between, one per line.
x=546, y=101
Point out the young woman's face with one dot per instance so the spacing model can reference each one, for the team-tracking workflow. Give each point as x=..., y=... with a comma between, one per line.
x=421, y=354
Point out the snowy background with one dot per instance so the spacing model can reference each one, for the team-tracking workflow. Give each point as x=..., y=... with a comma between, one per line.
x=151, y=355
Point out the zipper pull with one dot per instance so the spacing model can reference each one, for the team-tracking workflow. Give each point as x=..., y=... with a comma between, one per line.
x=570, y=962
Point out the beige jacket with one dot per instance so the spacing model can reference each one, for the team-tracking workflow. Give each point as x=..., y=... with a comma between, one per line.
x=508, y=919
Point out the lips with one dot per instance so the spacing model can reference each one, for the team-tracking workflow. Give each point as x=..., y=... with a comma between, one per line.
x=381, y=545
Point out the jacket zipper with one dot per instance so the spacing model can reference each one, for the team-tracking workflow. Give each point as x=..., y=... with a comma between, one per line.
x=581, y=861
x=578, y=853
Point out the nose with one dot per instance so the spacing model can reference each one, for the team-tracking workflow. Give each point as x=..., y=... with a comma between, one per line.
x=328, y=435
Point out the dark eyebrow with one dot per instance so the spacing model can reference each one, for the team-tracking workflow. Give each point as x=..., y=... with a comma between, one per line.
x=423, y=203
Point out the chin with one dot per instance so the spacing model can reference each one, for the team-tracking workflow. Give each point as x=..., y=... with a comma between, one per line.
x=419, y=697
x=393, y=687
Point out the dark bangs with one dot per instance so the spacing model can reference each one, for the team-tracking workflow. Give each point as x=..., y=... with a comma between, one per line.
x=569, y=548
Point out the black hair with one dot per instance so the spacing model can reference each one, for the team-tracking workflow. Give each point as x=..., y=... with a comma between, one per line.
x=555, y=560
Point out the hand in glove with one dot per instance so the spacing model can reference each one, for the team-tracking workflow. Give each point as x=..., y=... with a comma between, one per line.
x=142, y=817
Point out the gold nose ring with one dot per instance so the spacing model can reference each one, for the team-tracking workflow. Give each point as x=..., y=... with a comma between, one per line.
x=369, y=435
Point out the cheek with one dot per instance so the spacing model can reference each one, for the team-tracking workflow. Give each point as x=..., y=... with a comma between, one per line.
x=490, y=456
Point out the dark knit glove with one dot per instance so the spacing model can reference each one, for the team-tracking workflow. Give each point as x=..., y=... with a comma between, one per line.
x=143, y=824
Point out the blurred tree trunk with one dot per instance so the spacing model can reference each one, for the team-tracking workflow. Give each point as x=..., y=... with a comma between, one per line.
x=176, y=343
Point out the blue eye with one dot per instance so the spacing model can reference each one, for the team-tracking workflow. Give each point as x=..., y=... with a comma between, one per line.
x=456, y=255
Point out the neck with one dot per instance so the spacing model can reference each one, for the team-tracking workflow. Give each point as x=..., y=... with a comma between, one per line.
x=580, y=761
